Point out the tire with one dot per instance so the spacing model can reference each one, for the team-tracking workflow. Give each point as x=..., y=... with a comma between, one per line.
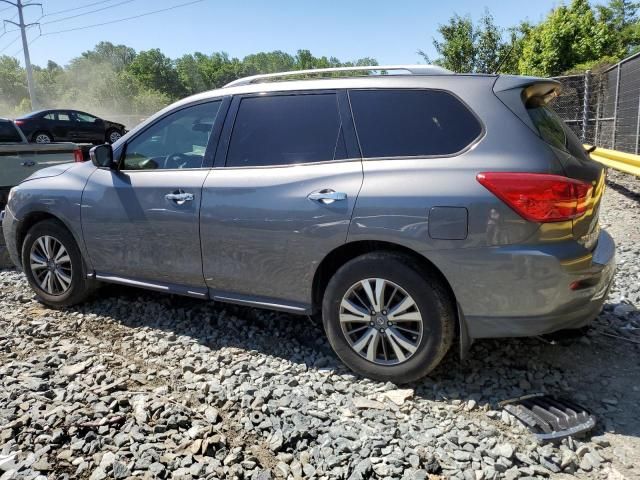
x=42, y=137
x=113, y=135
x=70, y=267
x=428, y=325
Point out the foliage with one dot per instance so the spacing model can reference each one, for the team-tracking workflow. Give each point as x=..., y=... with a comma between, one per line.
x=572, y=37
x=115, y=79
x=479, y=48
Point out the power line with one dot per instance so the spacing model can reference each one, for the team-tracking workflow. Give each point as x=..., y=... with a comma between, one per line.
x=30, y=42
x=124, y=19
x=77, y=8
x=11, y=43
x=87, y=13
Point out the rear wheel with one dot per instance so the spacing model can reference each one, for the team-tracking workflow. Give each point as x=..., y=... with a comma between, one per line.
x=54, y=266
x=387, y=320
x=42, y=137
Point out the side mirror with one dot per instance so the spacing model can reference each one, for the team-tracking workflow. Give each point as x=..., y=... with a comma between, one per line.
x=102, y=156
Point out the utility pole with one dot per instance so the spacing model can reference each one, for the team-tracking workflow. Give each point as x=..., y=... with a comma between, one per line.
x=25, y=46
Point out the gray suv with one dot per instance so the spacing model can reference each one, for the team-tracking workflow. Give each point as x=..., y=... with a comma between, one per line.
x=409, y=209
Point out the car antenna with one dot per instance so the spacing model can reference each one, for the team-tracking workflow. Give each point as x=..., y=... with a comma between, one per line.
x=505, y=58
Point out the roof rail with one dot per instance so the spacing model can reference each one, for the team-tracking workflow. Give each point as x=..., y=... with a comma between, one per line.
x=411, y=69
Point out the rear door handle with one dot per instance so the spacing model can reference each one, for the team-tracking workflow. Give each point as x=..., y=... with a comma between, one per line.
x=327, y=196
x=28, y=163
x=179, y=197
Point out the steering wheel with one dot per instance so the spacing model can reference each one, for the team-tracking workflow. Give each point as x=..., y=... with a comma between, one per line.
x=176, y=160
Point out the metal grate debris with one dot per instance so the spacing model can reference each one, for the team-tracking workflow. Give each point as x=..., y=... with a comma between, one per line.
x=548, y=417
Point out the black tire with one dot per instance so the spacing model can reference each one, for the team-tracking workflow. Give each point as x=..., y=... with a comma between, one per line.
x=433, y=302
x=110, y=132
x=42, y=134
x=80, y=287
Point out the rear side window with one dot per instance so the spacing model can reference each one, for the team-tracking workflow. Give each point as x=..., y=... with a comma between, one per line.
x=50, y=116
x=286, y=130
x=406, y=123
x=9, y=133
x=554, y=131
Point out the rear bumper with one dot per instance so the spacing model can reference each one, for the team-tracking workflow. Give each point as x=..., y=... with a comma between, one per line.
x=527, y=292
x=9, y=231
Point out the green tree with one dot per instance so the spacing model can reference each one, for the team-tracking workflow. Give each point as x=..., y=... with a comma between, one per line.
x=13, y=83
x=570, y=35
x=482, y=48
x=118, y=56
x=155, y=71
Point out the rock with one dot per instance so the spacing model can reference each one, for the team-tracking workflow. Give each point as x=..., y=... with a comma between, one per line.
x=74, y=369
x=503, y=450
x=276, y=441
x=362, y=403
x=399, y=396
x=139, y=404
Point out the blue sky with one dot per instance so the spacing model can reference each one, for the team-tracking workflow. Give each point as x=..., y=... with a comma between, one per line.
x=390, y=31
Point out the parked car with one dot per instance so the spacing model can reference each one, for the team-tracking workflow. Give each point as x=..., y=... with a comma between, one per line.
x=46, y=126
x=410, y=210
x=19, y=159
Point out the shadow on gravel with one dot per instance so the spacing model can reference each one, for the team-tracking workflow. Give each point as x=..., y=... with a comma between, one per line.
x=630, y=194
x=596, y=371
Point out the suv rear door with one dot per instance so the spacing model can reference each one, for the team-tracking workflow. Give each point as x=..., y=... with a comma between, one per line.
x=286, y=178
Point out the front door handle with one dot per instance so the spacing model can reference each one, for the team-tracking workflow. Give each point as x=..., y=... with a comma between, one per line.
x=179, y=197
x=327, y=196
x=28, y=163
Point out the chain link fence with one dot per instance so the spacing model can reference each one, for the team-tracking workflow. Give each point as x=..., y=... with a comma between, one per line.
x=604, y=109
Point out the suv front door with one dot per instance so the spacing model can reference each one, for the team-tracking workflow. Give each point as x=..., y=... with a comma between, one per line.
x=288, y=172
x=141, y=222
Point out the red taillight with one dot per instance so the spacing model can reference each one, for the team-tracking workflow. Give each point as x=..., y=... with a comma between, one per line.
x=77, y=155
x=539, y=197
x=19, y=122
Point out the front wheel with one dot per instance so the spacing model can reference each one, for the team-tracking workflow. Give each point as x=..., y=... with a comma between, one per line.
x=54, y=266
x=387, y=320
x=113, y=136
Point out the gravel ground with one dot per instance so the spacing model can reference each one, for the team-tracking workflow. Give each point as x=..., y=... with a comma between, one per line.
x=136, y=384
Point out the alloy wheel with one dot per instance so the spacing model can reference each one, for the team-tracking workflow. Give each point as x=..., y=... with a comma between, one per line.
x=42, y=138
x=50, y=265
x=114, y=137
x=381, y=321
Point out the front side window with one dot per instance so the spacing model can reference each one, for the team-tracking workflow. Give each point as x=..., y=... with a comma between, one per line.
x=9, y=133
x=286, y=130
x=407, y=123
x=178, y=140
x=85, y=117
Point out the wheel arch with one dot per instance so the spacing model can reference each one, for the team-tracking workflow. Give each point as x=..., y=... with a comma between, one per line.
x=31, y=219
x=342, y=254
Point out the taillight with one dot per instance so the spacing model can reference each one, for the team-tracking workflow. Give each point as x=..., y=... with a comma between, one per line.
x=19, y=122
x=539, y=197
x=77, y=155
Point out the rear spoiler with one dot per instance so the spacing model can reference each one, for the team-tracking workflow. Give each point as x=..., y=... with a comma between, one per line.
x=518, y=93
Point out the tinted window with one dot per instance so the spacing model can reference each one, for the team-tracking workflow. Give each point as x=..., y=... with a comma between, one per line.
x=179, y=140
x=285, y=130
x=63, y=117
x=8, y=133
x=84, y=117
x=554, y=131
x=407, y=123
x=50, y=116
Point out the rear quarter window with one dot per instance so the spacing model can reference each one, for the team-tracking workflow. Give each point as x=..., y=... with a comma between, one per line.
x=408, y=123
x=554, y=131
